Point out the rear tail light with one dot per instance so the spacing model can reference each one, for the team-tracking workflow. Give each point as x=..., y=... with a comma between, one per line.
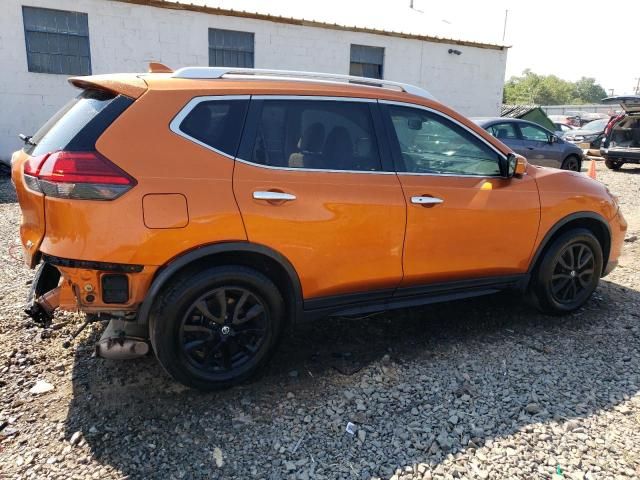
x=77, y=175
x=31, y=169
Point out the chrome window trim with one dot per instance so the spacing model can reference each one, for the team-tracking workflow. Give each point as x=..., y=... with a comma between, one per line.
x=174, y=125
x=315, y=98
x=315, y=170
x=453, y=120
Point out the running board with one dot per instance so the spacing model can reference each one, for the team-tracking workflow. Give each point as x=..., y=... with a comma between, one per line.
x=380, y=300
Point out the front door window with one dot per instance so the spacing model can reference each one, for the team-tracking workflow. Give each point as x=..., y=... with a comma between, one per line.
x=432, y=144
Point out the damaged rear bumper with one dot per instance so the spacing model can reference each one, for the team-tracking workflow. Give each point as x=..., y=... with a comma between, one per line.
x=90, y=287
x=101, y=290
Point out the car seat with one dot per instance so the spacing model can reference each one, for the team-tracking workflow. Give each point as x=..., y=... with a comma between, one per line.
x=309, y=147
x=337, y=153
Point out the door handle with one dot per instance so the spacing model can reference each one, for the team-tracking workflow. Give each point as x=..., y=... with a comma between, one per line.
x=273, y=196
x=426, y=200
x=530, y=148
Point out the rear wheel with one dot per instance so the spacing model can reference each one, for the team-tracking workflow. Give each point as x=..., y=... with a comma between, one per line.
x=613, y=164
x=218, y=327
x=572, y=163
x=568, y=273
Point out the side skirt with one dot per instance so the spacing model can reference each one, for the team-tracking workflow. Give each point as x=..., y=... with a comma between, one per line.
x=380, y=300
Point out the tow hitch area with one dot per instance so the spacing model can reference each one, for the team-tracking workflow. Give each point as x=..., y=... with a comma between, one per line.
x=123, y=340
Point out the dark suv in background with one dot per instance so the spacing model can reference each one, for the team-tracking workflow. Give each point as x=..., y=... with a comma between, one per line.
x=622, y=137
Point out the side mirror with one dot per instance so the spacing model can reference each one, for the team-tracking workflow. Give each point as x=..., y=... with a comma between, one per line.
x=553, y=139
x=508, y=165
x=512, y=165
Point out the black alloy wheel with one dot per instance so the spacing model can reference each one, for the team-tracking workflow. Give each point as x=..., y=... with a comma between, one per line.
x=216, y=327
x=567, y=273
x=573, y=272
x=223, y=330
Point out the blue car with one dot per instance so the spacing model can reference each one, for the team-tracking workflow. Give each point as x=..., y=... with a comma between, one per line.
x=536, y=143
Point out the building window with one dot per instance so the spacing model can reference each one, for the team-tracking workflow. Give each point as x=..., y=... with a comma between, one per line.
x=366, y=61
x=57, y=41
x=228, y=48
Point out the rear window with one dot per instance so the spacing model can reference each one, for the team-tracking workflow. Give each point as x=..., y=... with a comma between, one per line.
x=217, y=124
x=63, y=130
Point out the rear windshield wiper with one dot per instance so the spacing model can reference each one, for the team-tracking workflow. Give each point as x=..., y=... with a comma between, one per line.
x=27, y=139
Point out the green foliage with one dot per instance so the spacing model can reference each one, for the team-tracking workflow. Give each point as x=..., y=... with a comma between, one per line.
x=531, y=88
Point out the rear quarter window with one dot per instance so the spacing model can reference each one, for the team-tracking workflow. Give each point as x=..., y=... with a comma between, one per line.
x=77, y=125
x=214, y=123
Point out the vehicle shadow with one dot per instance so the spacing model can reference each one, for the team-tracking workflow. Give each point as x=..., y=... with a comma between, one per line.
x=629, y=169
x=7, y=195
x=400, y=376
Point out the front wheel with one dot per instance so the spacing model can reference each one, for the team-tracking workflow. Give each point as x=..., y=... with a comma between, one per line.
x=572, y=163
x=613, y=164
x=218, y=327
x=568, y=273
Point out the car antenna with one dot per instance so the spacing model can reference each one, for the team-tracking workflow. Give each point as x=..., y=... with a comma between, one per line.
x=26, y=139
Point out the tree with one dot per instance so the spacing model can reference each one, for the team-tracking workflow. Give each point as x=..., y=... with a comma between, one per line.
x=588, y=91
x=531, y=88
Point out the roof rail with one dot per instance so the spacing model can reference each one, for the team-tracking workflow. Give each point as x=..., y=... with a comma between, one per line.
x=219, y=72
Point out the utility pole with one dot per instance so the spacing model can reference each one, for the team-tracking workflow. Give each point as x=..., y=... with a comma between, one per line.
x=637, y=86
x=504, y=30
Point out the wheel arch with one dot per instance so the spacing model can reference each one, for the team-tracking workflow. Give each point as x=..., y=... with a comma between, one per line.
x=590, y=220
x=259, y=257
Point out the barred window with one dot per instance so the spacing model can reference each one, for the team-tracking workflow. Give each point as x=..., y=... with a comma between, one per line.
x=366, y=61
x=229, y=48
x=57, y=41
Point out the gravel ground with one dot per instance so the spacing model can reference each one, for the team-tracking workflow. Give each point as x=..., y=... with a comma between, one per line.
x=484, y=388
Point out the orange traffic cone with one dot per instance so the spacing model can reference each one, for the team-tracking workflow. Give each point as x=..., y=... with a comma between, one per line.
x=592, y=169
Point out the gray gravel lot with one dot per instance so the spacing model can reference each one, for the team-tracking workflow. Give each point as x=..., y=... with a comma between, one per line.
x=484, y=388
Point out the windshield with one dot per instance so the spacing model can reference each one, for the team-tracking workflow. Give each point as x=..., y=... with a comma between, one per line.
x=596, y=125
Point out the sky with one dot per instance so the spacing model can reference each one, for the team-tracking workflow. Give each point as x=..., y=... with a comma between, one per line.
x=570, y=39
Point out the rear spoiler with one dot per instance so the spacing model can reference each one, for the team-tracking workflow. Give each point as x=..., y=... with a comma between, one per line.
x=129, y=84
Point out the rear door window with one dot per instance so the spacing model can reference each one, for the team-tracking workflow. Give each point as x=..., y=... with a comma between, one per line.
x=503, y=131
x=215, y=123
x=63, y=130
x=316, y=134
x=529, y=132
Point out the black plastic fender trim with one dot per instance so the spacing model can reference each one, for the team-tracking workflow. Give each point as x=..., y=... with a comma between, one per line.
x=561, y=223
x=185, y=259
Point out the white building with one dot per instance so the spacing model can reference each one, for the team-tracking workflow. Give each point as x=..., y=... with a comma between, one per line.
x=42, y=42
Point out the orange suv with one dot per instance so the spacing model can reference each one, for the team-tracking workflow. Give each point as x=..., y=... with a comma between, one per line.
x=206, y=209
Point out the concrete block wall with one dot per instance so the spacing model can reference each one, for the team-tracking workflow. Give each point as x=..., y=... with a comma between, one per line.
x=125, y=37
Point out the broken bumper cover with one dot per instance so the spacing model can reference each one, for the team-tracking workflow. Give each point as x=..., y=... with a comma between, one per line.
x=92, y=287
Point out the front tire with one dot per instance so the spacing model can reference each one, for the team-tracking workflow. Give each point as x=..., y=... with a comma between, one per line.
x=568, y=273
x=613, y=164
x=218, y=327
x=572, y=163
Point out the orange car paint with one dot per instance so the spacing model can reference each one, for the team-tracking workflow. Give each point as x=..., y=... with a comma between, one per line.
x=475, y=232
x=344, y=234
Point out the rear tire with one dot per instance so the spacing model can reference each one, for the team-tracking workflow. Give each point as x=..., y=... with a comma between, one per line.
x=568, y=273
x=573, y=163
x=613, y=164
x=218, y=327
